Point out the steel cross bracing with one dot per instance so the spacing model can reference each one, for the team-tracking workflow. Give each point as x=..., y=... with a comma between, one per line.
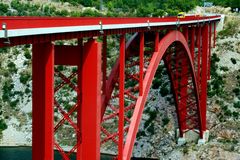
x=106, y=109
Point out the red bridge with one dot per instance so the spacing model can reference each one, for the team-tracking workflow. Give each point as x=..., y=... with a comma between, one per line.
x=105, y=100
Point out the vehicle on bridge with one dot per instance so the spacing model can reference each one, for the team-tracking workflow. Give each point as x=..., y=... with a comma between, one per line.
x=181, y=15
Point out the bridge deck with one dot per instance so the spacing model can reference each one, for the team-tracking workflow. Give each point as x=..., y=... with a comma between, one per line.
x=29, y=26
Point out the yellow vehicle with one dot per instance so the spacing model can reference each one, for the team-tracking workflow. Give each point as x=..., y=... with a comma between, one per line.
x=181, y=15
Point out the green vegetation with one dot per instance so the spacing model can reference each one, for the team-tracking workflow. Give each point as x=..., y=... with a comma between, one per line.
x=164, y=91
x=235, y=115
x=3, y=9
x=165, y=121
x=159, y=81
x=152, y=116
x=12, y=67
x=3, y=125
x=230, y=28
x=216, y=86
x=150, y=129
x=25, y=77
x=236, y=104
x=7, y=90
x=236, y=91
x=139, y=8
x=86, y=3
x=227, y=3
x=27, y=54
x=19, y=8
x=223, y=68
x=233, y=60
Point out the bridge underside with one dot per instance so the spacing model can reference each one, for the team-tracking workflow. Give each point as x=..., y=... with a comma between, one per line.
x=106, y=106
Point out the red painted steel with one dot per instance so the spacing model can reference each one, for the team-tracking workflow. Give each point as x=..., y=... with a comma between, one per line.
x=121, y=97
x=25, y=23
x=79, y=100
x=175, y=84
x=156, y=58
x=91, y=100
x=45, y=22
x=42, y=101
x=112, y=78
x=183, y=92
x=209, y=50
x=199, y=43
x=156, y=41
x=141, y=61
x=204, y=72
x=66, y=114
x=192, y=46
x=72, y=52
x=96, y=91
x=186, y=105
x=104, y=65
x=185, y=33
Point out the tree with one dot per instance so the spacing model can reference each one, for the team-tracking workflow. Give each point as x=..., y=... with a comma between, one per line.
x=3, y=125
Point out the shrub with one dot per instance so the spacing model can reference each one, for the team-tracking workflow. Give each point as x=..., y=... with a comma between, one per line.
x=228, y=112
x=150, y=129
x=238, y=77
x=14, y=103
x=224, y=68
x=230, y=28
x=235, y=115
x=152, y=116
x=141, y=133
x=185, y=150
x=165, y=121
x=236, y=91
x=7, y=91
x=12, y=67
x=233, y=60
x=215, y=58
x=27, y=91
x=27, y=54
x=3, y=9
x=236, y=104
x=164, y=91
x=25, y=77
x=3, y=125
x=156, y=83
x=90, y=13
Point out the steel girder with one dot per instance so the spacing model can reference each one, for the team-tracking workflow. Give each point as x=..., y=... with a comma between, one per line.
x=118, y=100
x=180, y=66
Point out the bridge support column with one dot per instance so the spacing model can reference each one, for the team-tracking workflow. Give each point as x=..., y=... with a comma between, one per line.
x=121, y=97
x=192, y=47
x=141, y=62
x=79, y=109
x=91, y=100
x=104, y=65
x=204, y=76
x=42, y=101
x=185, y=33
x=209, y=53
x=199, y=46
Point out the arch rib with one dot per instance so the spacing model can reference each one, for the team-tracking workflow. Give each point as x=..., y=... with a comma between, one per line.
x=113, y=77
x=173, y=36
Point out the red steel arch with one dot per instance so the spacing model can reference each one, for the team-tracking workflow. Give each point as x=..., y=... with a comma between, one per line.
x=164, y=44
x=117, y=99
